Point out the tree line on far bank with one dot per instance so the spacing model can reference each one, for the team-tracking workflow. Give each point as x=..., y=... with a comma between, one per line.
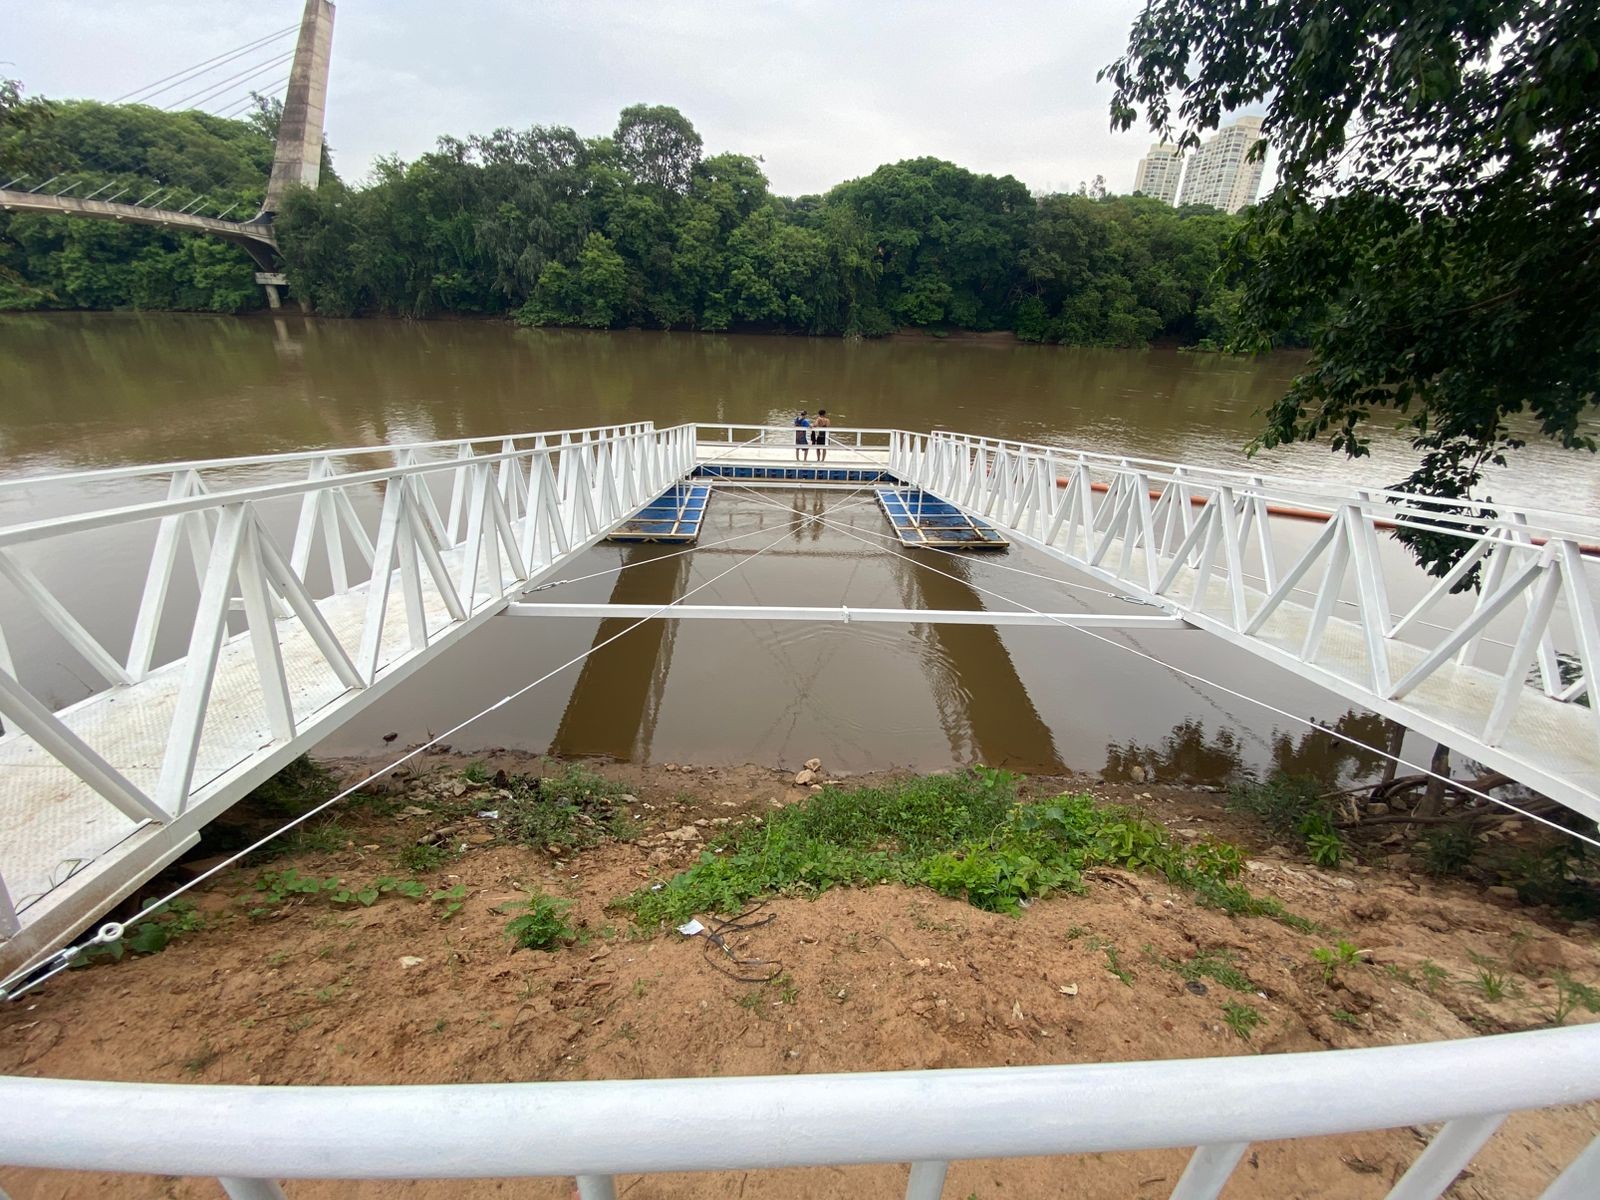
x=636, y=229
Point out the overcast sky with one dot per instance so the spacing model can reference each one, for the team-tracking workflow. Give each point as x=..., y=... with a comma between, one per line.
x=822, y=90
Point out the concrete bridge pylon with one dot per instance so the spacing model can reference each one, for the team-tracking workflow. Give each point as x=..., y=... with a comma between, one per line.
x=297, y=160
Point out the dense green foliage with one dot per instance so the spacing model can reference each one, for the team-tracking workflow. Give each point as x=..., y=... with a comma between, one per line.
x=1294, y=807
x=964, y=835
x=65, y=262
x=642, y=229
x=1435, y=219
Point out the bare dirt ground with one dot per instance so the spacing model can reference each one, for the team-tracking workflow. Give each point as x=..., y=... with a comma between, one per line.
x=311, y=991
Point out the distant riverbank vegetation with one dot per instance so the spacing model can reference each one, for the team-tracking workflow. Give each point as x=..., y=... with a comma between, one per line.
x=638, y=228
x=137, y=151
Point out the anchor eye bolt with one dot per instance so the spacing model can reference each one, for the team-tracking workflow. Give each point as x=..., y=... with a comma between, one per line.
x=110, y=932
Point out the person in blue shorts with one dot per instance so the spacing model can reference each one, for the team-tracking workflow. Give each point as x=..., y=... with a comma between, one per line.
x=802, y=424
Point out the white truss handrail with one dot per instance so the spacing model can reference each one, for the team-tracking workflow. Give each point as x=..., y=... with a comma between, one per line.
x=1317, y=491
x=290, y=457
x=600, y=1129
x=31, y=531
x=381, y=575
x=1204, y=545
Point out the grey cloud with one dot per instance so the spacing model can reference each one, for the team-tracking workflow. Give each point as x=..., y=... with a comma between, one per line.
x=823, y=90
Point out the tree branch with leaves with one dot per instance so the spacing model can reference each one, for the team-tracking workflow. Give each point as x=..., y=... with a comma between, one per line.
x=1434, y=219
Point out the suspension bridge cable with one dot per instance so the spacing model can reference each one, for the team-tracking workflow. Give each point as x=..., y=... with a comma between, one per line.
x=201, y=68
x=1211, y=683
x=210, y=91
x=230, y=97
x=268, y=92
x=112, y=931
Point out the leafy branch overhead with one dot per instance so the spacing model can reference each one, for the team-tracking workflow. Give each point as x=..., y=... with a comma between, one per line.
x=1434, y=220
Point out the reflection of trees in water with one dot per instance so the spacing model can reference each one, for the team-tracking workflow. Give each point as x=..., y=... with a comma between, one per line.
x=1188, y=754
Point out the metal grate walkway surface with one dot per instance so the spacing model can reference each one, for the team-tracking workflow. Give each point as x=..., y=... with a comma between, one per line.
x=673, y=516
x=920, y=518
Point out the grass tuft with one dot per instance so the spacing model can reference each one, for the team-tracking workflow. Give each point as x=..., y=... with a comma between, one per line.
x=964, y=835
x=564, y=810
x=1241, y=1018
x=543, y=923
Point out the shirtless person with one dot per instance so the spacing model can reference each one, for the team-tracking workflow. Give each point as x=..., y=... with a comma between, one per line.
x=819, y=434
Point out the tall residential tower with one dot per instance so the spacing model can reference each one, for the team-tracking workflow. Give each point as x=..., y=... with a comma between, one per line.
x=1220, y=173
x=1159, y=172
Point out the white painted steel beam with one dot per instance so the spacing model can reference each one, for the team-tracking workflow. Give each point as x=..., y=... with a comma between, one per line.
x=1208, y=1171
x=611, y=1127
x=1581, y=1179
x=892, y=616
x=926, y=1181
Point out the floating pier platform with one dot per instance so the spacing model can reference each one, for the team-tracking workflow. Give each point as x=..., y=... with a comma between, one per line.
x=771, y=473
x=674, y=516
x=920, y=518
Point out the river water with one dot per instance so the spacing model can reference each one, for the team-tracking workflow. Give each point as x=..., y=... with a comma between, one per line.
x=80, y=391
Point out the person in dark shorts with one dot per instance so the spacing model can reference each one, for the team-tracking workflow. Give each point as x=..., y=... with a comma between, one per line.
x=819, y=434
x=802, y=424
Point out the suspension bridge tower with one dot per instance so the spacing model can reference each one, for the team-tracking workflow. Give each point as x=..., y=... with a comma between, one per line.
x=297, y=159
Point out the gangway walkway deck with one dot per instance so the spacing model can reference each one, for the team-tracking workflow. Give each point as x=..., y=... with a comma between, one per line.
x=97, y=797
x=317, y=593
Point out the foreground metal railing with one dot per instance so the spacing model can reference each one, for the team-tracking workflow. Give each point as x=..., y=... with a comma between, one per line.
x=249, y=1137
x=1314, y=595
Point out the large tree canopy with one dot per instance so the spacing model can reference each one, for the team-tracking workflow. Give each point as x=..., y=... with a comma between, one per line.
x=1435, y=217
x=639, y=228
x=1434, y=221
x=128, y=150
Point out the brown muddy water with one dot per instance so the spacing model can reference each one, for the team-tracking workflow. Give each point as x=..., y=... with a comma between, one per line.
x=85, y=391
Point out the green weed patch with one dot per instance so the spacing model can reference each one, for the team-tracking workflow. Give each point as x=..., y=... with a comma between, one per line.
x=964, y=835
x=149, y=933
x=276, y=887
x=564, y=810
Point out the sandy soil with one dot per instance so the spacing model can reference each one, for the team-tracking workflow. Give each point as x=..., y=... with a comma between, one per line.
x=881, y=978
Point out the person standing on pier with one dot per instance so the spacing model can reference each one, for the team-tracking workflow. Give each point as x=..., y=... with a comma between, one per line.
x=819, y=434
x=802, y=424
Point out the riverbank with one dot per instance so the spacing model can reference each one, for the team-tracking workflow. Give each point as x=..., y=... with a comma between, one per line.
x=403, y=971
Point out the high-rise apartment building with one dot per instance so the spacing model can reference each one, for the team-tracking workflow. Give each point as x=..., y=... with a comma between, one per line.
x=1159, y=172
x=1219, y=172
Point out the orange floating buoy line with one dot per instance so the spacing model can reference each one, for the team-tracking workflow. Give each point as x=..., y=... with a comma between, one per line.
x=1300, y=514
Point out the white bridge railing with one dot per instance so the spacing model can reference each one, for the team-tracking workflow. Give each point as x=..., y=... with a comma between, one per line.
x=309, y=595
x=320, y=579
x=217, y=474
x=251, y=1137
x=1205, y=545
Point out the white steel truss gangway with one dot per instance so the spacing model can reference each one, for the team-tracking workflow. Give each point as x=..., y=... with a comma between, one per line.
x=325, y=579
